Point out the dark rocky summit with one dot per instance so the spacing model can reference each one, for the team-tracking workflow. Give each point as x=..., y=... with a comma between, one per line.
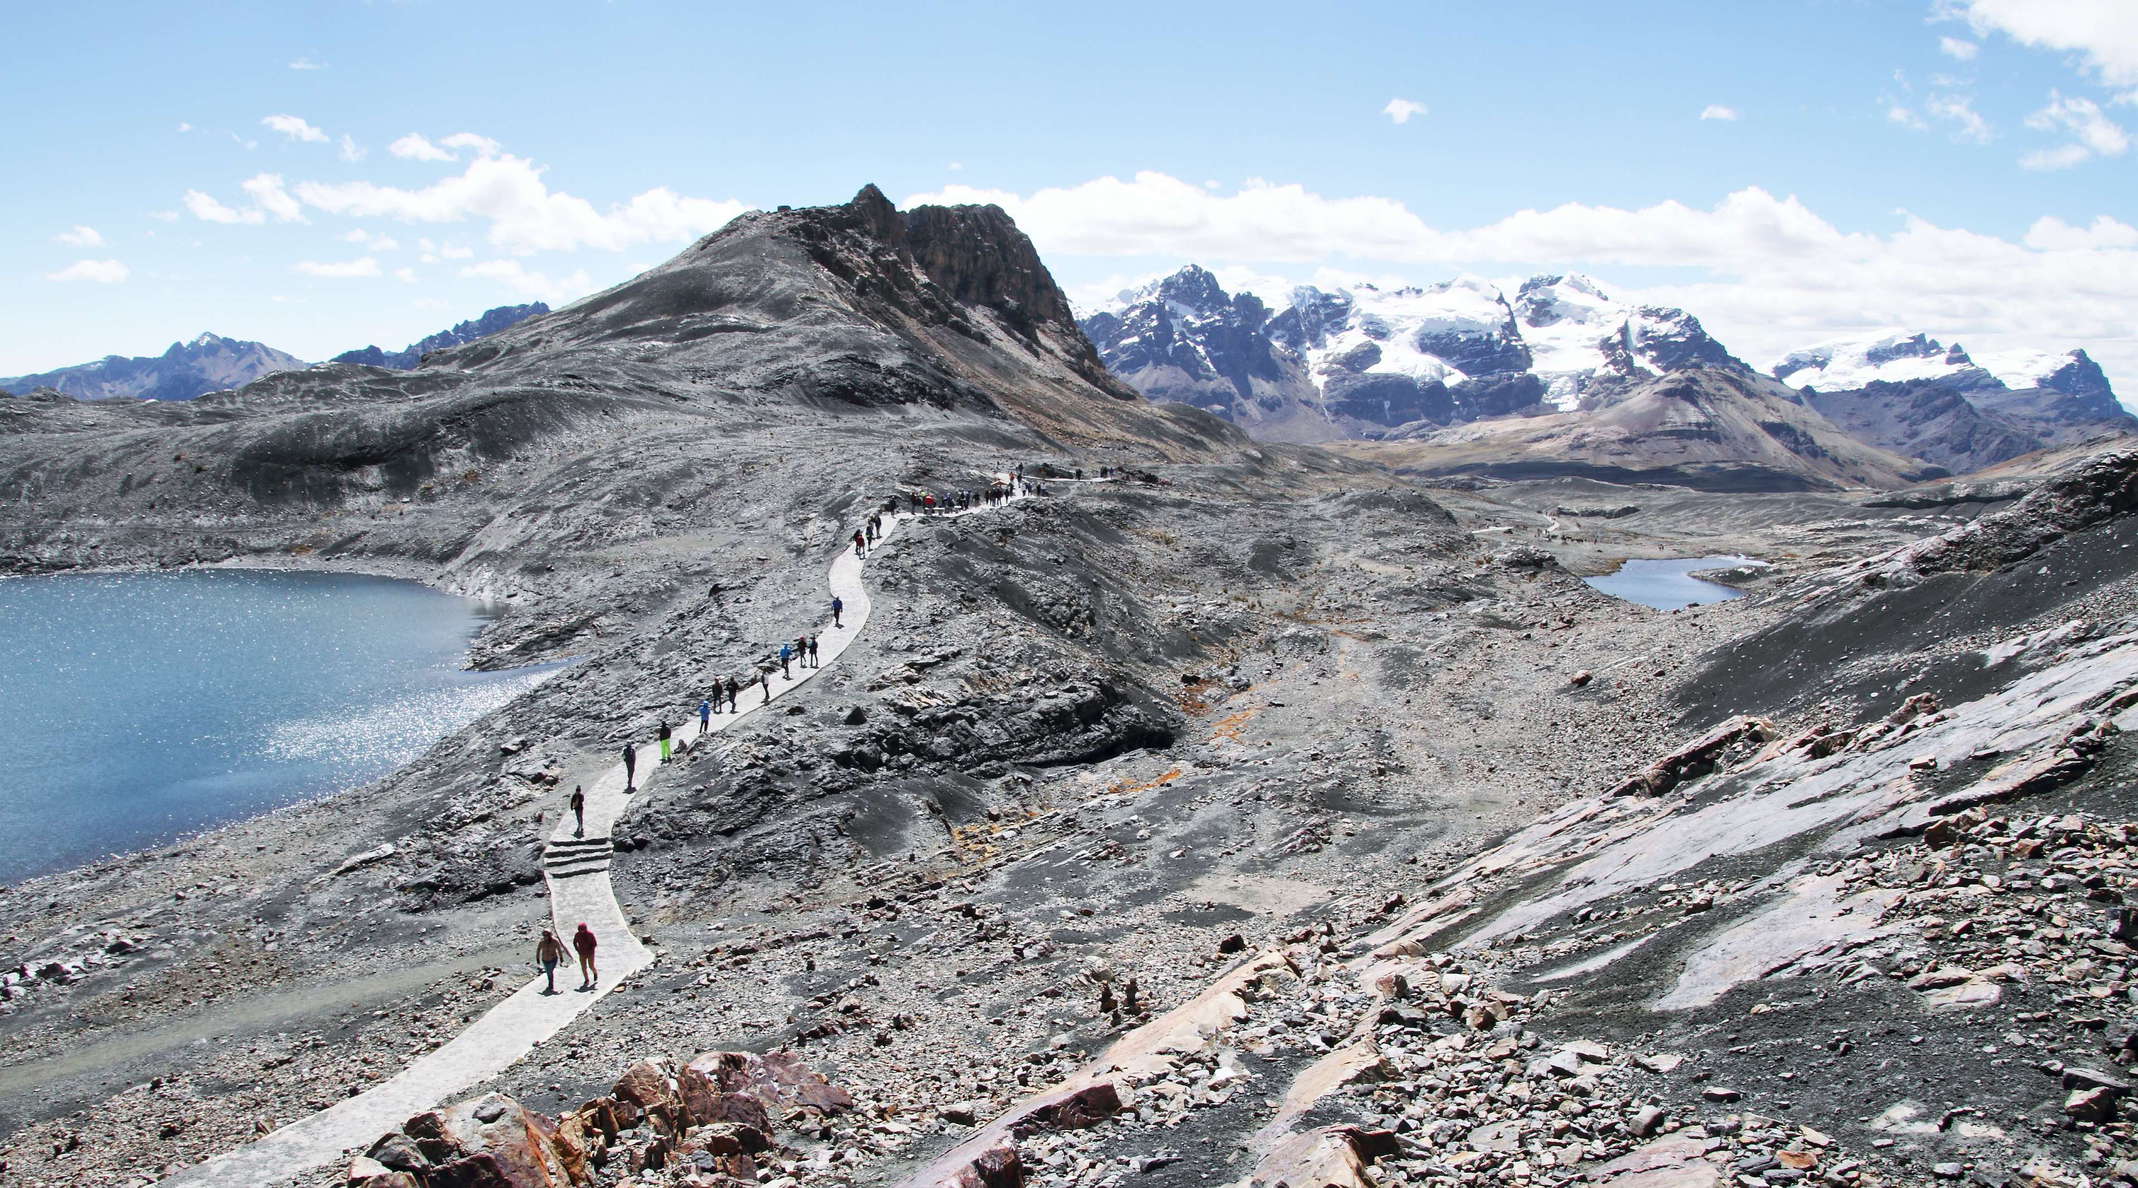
x=208, y=363
x=466, y=332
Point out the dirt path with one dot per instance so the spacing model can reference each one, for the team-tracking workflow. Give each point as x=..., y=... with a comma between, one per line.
x=576, y=869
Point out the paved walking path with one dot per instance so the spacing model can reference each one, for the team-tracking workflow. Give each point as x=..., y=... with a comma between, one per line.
x=577, y=870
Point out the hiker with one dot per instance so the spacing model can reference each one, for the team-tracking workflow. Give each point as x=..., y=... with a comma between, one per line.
x=734, y=690
x=801, y=650
x=549, y=952
x=838, y=607
x=663, y=736
x=786, y=655
x=705, y=715
x=630, y=766
x=861, y=546
x=915, y=496
x=583, y=940
x=928, y=504
x=813, y=661
x=578, y=811
x=764, y=677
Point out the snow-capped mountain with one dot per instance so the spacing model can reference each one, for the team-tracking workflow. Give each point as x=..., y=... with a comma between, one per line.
x=1914, y=395
x=208, y=363
x=1363, y=360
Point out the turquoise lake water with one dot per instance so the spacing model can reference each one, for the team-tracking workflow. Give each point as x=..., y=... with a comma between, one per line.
x=136, y=708
x=1666, y=583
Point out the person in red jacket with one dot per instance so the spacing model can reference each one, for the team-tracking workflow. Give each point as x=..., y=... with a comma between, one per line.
x=583, y=941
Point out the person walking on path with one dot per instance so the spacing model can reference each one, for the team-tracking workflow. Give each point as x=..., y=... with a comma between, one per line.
x=801, y=650
x=583, y=941
x=838, y=607
x=786, y=657
x=630, y=768
x=663, y=736
x=734, y=690
x=861, y=546
x=549, y=954
x=578, y=811
x=705, y=715
x=813, y=661
x=764, y=677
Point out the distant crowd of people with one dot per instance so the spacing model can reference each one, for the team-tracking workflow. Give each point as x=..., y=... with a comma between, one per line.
x=803, y=651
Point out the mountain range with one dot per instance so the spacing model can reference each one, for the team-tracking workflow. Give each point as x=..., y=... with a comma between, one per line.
x=1410, y=364
x=466, y=332
x=213, y=363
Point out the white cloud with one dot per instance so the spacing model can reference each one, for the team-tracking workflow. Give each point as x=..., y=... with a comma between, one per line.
x=294, y=128
x=1401, y=110
x=2095, y=134
x=184, y=127
x=164, y=216
x=524, y=214
x=957, y=166
x=483, y=145
x=205, y=208
x=103, y=272
x=1959, y=111
x=2052, y=234
x=2104, y=33
x=80, y=236
x=1716, y=111
x=351, y=151
x=307, y=64
x=522, y=282
x=415, y=147
x=362, y=266
x=1900, y=113
x=1958, y=48
x=267, y=193
x=378, y=242
x=2061, y=157
x=1772, y=274
x=405, y=275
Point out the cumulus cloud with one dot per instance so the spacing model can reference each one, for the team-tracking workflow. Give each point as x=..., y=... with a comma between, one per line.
x=1401, y=110
x=523, y=213
x=483, y=145
x=1958, y=48
x=1902, y=114
x=294, y=128
x=2094, y=134
x=206, y=208
x=80, y=236
x=518, y=279
x=307, y=64
x=268, y=195
x=362, y=266
x=184, y=127
x=2103, y=33
x=1716, y=111
x=351, y=151
x=1770, y=273
x=1959, y=111
x=416, y=147
x=103, y=272
x=376, y=241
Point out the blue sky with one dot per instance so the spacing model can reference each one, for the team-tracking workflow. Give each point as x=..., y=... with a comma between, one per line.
x=325, y=175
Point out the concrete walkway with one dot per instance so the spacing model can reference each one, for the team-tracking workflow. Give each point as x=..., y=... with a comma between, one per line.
x=577, y=871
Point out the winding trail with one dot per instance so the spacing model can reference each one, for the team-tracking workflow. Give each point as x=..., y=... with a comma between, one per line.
x=577, y=871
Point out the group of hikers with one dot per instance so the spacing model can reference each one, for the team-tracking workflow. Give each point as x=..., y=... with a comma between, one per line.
x=549, y=953
x=803, y=650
